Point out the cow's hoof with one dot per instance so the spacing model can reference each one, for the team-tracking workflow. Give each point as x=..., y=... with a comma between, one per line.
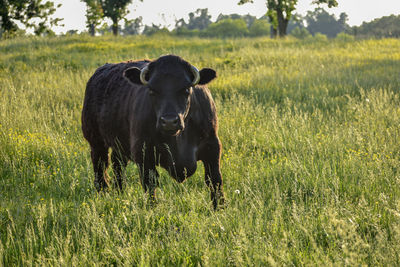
x=100, y=186
x=219, y=201
x=152, y=201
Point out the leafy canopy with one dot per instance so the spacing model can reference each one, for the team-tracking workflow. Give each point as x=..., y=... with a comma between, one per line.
x=227, y=28
x=35, y=14
x=112, y=9
x=321, y=21
x=94, y=14
x=385, y=27
x=280, y=11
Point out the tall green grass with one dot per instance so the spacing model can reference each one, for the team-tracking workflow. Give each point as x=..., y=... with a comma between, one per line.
x=311, y=138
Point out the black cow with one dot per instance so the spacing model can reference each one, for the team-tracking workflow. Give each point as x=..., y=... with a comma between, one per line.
x=153, y=113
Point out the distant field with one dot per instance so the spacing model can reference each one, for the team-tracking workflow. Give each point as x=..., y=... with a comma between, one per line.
x=311, y=160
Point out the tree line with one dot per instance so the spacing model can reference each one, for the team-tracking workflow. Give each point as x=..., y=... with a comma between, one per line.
x=279, y=13
x=280, y=19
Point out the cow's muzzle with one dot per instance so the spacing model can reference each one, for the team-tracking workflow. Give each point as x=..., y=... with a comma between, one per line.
x=171, y=124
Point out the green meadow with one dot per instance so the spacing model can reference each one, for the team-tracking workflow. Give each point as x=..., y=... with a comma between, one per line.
x=311, y=162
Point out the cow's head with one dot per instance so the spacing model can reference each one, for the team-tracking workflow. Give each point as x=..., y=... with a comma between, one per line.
x=169, y=81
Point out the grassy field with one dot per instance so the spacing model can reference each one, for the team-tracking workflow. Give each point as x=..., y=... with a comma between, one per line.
x=311, y=160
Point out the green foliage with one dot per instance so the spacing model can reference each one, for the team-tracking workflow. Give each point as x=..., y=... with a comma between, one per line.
x=321, y=21
x=330, y=3
x=259, y=27
x=319, y=37
x=34, y=14
x=133, y=27
x=249, y=19
x=199, y=20
x=227, y=28
x=104, y=29
x=310, y=159
x=115, y=10
x=344, y=37
x=280, y=12
x=155, y=29
x=300, y=33
x=183, y=31
x=94, y=15
x=232, y=25
x=379, y=28
x=297, y=20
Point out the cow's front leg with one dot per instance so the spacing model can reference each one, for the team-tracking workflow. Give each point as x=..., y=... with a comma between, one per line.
x=149, y=180
x=210, y=155
x=148, y=172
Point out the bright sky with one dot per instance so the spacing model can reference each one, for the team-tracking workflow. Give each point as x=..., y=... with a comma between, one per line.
x=166, y=11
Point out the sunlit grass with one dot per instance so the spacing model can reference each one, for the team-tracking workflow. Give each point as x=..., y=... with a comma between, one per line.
x=310, y=160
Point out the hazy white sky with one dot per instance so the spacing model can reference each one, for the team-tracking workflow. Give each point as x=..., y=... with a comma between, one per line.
x=166, y=11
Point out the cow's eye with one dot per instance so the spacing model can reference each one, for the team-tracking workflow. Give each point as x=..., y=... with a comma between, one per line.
x=186, y=91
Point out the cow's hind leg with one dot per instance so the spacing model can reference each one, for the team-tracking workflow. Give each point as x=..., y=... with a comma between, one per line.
x=99, y=156
x=119, y=162
x=210, y=155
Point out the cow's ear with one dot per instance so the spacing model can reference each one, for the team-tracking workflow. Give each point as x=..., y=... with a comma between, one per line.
x=132, y=75
x=207, y=75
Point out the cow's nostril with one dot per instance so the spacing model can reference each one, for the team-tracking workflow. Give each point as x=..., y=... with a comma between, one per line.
x=163, y=122
x=170, y=121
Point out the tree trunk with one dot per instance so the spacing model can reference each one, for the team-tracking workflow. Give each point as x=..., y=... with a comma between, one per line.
x=274, y=32
x=92, y=29
x=282, y=23
x=283, y=28
x=115, y=27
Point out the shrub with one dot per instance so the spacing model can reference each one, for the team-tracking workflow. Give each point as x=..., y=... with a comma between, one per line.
x=183, y=31
x=319, y=37
x=300, y=33
x=260, y=27
x=227, y=28
x=344, y=37
x=152, y=30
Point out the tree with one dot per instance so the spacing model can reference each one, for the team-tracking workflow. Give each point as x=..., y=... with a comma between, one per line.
x=259, y=27
x=94, y=15
x=71, y=32
x=297, y=21
x=321, y=21
x=34, y=14
x=181, y=23
x=385, y=27
x=200, y=19
x=227, y=28
x=133, y=27
x=155, y=29
x=181, y=29
x=249, y=19
x=104, y=28
x=115, y=10
x=300, y=33
x=279, y=12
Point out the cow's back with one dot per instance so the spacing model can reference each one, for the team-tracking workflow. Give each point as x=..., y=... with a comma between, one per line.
x=106, y=100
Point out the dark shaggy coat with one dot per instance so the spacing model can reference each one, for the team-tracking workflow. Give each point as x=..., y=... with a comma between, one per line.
x=121, y=114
